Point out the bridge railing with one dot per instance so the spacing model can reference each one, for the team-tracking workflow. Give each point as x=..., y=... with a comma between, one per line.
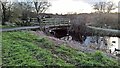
x=55, y=21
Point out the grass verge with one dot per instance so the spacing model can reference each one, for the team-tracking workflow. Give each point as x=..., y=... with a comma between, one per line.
x=26, y=49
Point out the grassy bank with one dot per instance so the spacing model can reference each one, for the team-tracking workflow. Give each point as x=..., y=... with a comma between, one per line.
x=24, y=48
x=0, y=48
x=8, y=26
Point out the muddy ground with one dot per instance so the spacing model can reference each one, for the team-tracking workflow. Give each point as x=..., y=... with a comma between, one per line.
x=71, y=43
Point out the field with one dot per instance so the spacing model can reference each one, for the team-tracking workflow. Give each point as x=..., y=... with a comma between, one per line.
x=23, y=48
x=0, y=48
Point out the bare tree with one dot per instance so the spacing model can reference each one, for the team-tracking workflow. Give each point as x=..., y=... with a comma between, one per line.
x=104, y=7
x=100, y=6
x=5, y=9
x=21, y=12
x=110, y=6
x=8, y=11
x=41, y=7
x=0, y=13
x=3, y=4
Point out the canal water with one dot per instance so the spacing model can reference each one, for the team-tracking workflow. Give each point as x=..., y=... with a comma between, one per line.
x=109, y=43
x=105, y=43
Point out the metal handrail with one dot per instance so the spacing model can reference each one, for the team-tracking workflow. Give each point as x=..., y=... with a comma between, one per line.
x=55, y=21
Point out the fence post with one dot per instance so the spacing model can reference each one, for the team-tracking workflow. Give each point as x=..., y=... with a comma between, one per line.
x=54, y=22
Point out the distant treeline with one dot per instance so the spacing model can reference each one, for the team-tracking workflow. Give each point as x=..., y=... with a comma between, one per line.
x=103, y=20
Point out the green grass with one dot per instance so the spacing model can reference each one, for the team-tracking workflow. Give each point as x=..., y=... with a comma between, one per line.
x=24, y=48
x=0, y=45
x=7, y=26
x=0, y=26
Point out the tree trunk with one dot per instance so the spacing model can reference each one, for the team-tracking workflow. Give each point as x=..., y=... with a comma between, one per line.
x=4, y=14
x=39, y=21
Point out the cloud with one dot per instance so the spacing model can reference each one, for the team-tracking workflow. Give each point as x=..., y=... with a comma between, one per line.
x=65, y=6
x=93, y=1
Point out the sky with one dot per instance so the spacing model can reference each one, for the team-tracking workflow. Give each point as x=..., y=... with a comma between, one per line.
x=72, y=6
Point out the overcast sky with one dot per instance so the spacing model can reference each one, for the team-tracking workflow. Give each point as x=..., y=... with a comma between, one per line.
x=71, y=6
x=79, y=6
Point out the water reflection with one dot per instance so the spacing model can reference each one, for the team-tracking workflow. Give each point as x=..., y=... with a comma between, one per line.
x=108, y=43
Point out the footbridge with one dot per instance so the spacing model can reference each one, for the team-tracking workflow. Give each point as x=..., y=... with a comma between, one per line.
x=59, y=27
